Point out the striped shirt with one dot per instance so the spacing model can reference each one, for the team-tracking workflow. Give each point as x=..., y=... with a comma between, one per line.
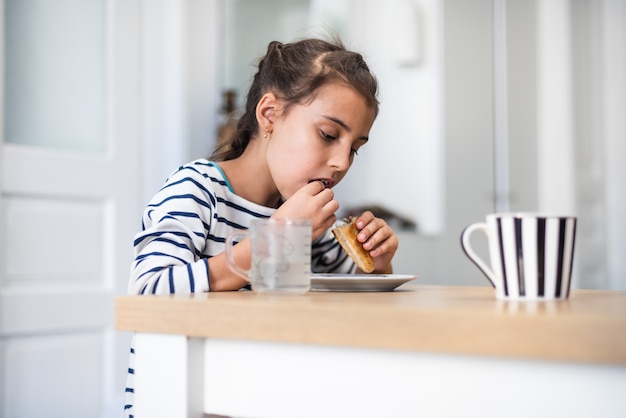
x=186, y=223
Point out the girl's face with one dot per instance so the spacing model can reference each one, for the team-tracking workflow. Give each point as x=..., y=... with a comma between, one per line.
x=318, y=140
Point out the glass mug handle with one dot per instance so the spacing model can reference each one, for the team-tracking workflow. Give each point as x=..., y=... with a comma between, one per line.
x=471, y=254
x=230, y=260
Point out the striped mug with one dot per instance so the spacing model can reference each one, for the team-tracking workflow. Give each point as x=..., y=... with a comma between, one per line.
x=531, y=254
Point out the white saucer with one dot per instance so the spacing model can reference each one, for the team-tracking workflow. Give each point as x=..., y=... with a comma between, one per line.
x=358, y=282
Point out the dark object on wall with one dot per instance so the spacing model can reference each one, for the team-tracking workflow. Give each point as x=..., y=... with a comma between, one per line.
x=395, y=221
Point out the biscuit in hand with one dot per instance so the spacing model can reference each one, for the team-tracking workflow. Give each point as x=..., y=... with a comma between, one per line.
x=346, y=234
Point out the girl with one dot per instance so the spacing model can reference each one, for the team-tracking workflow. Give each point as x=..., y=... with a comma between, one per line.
x=310, y=108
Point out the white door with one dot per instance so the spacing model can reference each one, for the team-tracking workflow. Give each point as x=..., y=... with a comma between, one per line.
x=69, y=201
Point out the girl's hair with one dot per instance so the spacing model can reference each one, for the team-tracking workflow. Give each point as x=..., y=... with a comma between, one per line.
x=294, y=72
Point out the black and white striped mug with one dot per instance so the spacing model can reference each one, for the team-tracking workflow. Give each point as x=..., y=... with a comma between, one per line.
x=531, y=254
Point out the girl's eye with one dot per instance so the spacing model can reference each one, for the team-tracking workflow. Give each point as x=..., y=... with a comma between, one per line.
x=330, y=138
x=327, y=136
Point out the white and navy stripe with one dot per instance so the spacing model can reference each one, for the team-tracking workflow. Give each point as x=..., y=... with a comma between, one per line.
x=535, y=256
x=186, y=223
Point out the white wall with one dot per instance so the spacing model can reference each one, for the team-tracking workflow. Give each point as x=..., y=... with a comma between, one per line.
x=181, y=49
x=468, y=158
x=401, y=168
x=581, y=89
x=614, y=123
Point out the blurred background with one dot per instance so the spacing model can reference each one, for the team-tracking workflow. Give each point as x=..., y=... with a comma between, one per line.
x=486, y=105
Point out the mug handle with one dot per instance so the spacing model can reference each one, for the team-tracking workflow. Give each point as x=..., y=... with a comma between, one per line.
x=471, y=254
x=230, y=260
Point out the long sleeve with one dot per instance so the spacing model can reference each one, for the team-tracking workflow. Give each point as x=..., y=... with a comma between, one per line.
x=329, y=257
x=170, y=250
x=187, y=222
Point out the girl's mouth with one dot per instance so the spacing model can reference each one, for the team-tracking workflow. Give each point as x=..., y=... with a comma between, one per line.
x=327, y=183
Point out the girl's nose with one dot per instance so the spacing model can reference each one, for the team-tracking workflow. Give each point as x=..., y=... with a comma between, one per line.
x=341, y=159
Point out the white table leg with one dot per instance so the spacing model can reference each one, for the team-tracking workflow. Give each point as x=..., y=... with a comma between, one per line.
x=168, y=376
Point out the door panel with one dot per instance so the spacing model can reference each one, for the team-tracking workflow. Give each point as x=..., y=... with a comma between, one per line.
x=72, y=250
x=55, y=73
x=66, y=173
x=31, y=363
x=69, y=203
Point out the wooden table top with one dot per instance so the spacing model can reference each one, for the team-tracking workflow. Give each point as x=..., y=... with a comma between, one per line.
x=588, y=327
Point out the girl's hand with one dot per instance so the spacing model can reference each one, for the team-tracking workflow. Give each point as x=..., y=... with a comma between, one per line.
x=379, y=239
x=313, y=201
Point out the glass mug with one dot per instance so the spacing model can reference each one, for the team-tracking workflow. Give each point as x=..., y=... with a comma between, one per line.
x=531, y=254
x=280, y=252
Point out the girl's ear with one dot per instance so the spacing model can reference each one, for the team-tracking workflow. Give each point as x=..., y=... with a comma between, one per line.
x=267, y=111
